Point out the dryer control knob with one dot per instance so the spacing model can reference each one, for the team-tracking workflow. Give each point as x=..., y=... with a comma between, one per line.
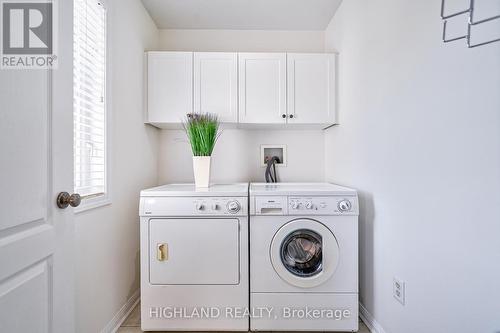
x=215, y=207
x=200, y=206
x=345, y=205
x=295, y=205
x=233, y=207
x=309, y=205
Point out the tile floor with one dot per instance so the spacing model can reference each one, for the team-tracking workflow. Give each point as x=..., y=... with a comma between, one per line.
x=133, y=323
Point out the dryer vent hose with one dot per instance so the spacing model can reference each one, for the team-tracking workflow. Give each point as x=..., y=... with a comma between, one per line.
x=271, y=163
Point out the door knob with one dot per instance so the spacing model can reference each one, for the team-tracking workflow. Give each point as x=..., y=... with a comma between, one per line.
x=64, y=199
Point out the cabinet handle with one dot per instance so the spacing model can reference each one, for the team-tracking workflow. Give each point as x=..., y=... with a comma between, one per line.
x=283, y=115
x=162, y=252
x=291, y=116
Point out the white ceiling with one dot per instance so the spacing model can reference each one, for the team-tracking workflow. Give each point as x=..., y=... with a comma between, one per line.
x=242, y=14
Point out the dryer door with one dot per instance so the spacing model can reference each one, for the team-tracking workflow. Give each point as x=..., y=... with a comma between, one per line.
x=304, y=253
x=185, y=251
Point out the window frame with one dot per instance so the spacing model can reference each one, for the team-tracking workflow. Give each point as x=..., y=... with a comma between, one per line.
x=100, y=200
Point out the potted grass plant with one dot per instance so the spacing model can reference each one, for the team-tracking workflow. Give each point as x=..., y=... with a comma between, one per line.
x=202, y=130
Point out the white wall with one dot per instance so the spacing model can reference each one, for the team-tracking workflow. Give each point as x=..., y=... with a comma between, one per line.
x=237, y=154
x=242, y=40
x=107, y=238
x=419, y=137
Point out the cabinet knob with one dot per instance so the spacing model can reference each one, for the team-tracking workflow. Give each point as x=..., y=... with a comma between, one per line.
x=283, y=115
x=291, y=116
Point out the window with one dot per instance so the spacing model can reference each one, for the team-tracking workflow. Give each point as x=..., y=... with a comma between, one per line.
x=89, y=100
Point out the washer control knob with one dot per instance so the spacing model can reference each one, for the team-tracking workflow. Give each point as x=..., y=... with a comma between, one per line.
x=215, y=206
x=309, y=205
x=200, y=206
x=344, y=205
x=295, y=205
x=233, y=207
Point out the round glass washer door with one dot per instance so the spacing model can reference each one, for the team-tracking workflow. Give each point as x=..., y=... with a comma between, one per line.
x=304, y=253
x=301, y=253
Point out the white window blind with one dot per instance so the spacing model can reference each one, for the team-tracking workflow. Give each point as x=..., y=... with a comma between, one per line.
x=89, y=89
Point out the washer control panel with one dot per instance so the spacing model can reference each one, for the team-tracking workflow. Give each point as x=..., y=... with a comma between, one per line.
x=322, y=205
x=271, y=205
x=304, y=205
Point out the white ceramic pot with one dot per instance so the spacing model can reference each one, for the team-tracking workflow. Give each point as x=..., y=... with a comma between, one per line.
x=201, y=168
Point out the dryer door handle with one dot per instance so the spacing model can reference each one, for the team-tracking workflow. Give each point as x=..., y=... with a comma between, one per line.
x=162, y=251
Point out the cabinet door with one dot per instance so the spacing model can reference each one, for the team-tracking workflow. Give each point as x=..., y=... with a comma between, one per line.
x=262, y=88
x=170, y=86
x=215, y=84
x=311, y=88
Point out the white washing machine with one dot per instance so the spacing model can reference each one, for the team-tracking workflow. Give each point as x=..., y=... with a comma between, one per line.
x=194, y=258
x=303, y=257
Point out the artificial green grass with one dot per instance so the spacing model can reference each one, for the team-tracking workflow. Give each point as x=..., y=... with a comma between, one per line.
x=202, y=130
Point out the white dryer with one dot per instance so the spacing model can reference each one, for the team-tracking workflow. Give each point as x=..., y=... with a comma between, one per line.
x=303, y=257
x=194, y=258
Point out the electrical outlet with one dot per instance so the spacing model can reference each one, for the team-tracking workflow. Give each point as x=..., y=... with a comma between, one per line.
x=398, y=290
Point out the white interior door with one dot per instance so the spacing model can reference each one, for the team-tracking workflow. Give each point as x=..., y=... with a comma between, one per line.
x=216, y=85
x=36, y=148
x=262, y=88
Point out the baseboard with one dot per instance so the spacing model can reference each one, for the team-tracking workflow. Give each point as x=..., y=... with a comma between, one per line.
x=369, y=320
x=122, y=314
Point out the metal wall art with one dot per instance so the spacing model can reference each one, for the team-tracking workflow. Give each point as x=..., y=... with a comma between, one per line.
x=471, y=22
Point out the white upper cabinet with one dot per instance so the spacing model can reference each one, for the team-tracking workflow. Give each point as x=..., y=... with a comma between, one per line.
x=251, y=89
x=216, y=84
x=169, y=86
x=311, y=88
x=262, y=88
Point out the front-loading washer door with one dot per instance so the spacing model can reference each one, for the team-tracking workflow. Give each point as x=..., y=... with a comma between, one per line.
x=304, y=253
x=184, y=251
